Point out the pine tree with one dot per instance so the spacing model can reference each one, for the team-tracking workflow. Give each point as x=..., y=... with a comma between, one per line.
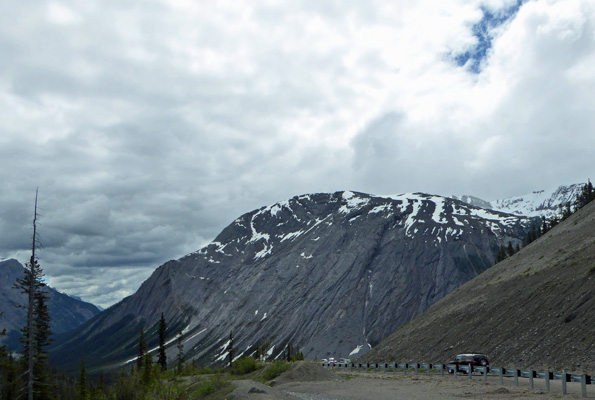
x=230, y=349
x=7, y=371
x=501, y=254
x=180, y=358
x=147, y=374
x=586, y=196
x=510, y=249
x=36, y=332
x=289, y=351
x=162, y=360
x=142, y=350
x=82, y=382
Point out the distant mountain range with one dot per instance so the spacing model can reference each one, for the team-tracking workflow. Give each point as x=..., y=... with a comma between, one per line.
x=328, y=273
x=66, y=312
x=541, y=203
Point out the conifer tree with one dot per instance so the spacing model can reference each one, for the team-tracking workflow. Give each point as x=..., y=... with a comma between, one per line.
x=289, y=351
x=586, y=196
x=7, y=371
x=162, y=360
x=147, y=374
x=142, y=349
x=230, y=349
x=180, y=358
x=36, y=332
x=82, y=388
x=510, y=249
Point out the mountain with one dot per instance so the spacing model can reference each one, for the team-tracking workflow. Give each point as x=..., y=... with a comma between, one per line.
x=66, y=313
x=535, y=309
x=540, y=203
x=331, y=274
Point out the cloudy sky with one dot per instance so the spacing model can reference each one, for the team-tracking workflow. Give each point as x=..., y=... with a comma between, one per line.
x=150, y=125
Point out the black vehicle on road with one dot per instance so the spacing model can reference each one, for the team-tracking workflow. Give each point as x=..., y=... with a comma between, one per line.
x=474, y=360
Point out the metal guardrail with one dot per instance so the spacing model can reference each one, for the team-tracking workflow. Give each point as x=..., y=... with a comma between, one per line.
x=451, y=369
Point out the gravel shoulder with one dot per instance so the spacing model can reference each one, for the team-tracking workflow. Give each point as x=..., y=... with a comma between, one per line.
x=385, y=387
x=382, y=386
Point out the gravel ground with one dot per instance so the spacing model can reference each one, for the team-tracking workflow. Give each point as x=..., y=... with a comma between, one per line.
x=355, y=386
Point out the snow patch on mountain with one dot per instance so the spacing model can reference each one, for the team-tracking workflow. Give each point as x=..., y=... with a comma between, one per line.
x=540, y=203
x=353, y=202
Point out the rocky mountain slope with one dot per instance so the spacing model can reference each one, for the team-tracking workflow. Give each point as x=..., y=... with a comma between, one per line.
x=331, y=274
x=540, y=203
x=535, y=309
x=66, y=313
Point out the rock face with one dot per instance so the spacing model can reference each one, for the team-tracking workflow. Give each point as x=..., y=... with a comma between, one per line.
x=331, y=274
x=534, y=310
x=66, y=313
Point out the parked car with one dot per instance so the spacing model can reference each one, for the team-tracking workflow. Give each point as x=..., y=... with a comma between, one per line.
x=475, y=360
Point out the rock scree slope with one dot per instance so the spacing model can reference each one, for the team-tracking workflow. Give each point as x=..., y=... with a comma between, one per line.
x=535, y=309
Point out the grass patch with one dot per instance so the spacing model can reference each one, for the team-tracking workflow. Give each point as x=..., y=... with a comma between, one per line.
x=215, y=387
x=245, y=365
x=275, y=369
x=591, y=268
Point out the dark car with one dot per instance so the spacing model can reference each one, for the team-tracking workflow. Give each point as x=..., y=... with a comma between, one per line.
x=475, y=360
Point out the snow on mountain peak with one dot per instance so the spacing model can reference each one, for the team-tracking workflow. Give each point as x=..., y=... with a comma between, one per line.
x=539, y=203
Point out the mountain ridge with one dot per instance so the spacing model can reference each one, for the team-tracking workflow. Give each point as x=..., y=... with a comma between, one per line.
x=301, y=270
x=66, y=313
x=539, y=203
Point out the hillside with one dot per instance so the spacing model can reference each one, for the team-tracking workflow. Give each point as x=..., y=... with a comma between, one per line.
x=328, y=273
x=535, y=309
x=66, y=312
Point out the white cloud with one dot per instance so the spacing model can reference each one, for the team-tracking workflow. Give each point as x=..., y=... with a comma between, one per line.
x=149, y=126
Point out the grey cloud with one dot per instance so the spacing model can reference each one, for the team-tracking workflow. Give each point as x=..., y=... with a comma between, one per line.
x=148, y=129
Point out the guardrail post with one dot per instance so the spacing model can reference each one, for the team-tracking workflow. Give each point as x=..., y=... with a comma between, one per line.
x=485, y=373
x=547, y=380
x=428, y=370
x=502, y=375
x=531, y=375
x=395, y=368
x=470, y=371
x=441, y=369
x=416, y=369
x=564, y=380
x=516, y=377
x=405, y=369
x=456, y=370
x=584, y=385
